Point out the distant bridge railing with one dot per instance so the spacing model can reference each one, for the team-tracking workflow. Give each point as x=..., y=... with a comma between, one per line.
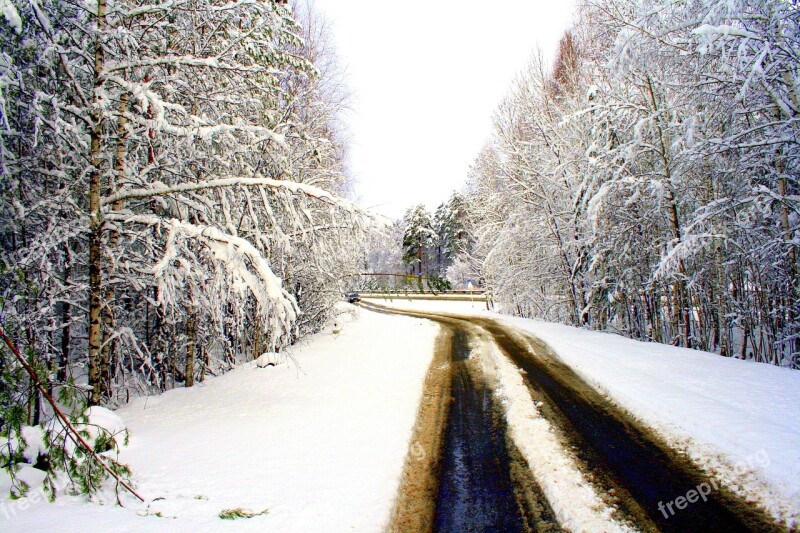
x=383, y=283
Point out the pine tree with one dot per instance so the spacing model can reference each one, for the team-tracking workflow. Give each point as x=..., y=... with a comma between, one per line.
x=454, y=232
x=419, y=237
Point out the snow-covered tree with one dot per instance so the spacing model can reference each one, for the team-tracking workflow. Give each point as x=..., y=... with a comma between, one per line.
x=450, y=223
x=419, y=236
x=647, y=181
x=174, y=190
x=385, y=250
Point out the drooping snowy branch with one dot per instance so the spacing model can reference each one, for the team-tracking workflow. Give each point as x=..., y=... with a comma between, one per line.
x=160, y=189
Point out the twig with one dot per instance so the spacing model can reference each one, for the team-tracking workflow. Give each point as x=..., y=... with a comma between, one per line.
x=73, y=433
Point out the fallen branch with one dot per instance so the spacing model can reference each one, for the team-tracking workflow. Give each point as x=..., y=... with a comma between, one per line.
x=71, y=431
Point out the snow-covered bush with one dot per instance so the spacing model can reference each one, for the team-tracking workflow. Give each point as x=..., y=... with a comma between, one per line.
x=104, y=429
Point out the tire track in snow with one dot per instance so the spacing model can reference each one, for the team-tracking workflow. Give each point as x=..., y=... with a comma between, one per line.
x=625, y=457
x=462, y=471
x=628, y=464
x=475, y=488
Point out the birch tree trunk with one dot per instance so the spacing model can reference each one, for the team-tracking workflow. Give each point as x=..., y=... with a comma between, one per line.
x=109, y=320
x=191, y=343
x=682, y=304
x=794, y=343
x=96, y=221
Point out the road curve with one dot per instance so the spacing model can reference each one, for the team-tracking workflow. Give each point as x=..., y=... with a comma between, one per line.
x=623, y=457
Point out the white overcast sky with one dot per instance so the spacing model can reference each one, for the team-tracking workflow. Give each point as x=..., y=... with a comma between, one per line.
x=426, y=78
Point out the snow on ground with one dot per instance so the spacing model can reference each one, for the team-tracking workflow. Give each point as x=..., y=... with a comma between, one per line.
x=737, y=418
x=320, y=443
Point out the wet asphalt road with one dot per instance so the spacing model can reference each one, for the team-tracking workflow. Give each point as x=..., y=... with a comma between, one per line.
x=623, y=457
x=475, y=491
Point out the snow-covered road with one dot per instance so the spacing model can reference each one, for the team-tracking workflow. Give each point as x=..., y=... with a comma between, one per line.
x=631, y=472
x=733, y=418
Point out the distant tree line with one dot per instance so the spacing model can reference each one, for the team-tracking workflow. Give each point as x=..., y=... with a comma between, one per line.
x=434, y=245
x=432, y=242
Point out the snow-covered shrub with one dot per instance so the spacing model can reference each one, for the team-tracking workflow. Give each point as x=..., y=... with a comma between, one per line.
x=104, y=429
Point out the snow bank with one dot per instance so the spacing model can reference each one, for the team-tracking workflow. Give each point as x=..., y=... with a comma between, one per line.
x=34, y=443
x=268, y=359
x=319, y=440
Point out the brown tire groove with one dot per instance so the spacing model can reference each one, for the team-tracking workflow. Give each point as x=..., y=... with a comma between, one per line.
x=416, y=501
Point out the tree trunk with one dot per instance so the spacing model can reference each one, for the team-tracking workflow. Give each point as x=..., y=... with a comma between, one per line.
x=96, y=222
x=109, y=350
x=256, y=334
x=191, y=334
x=34, y=405
x=63, y=365
x=725, y=347
x=160, y=342
x=203, y=363
x=791, y=318
x=683, y=306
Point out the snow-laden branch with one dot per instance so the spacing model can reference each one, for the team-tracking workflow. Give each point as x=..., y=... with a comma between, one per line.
x=46, y=27
x=160, y=189
x=171, y=6
x=686, y=248
x=247, y=269
x=725, y=30
x=186, y=61
x=150, y=100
